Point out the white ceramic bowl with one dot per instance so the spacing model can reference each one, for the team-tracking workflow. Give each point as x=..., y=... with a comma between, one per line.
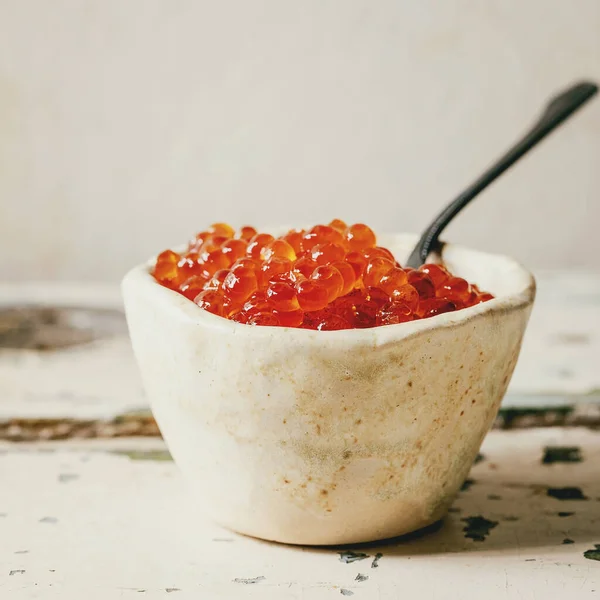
x=334, y=437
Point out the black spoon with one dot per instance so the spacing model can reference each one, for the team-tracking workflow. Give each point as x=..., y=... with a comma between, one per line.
x=559, y=108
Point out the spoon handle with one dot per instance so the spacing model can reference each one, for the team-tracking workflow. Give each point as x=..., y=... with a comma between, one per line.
x=558, y=109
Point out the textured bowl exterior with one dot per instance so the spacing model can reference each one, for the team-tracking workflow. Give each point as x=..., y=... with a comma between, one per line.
x=340, y=437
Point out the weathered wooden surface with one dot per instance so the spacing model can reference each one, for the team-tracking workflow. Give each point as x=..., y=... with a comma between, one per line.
x=111, y=520
x=99, y=381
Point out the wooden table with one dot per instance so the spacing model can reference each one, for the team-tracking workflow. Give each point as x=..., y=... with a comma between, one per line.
x=91, y=506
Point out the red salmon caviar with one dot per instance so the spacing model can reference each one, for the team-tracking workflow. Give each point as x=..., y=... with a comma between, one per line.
x=327, y=278
x=321, y=234
x=282, y=296
x=247, y=233
x=278, y=248
x=378, y=252
x=190, y=265
x=294, y=239
x=422, y=283
x=305, y=265
x=358, y=262
x=435, y=306
x=248, y=262
x=393, y=280
x=365, y=313
x=213, y=242
x=312, y=295
x=484, y=297
x=324, y=254
x=437, y=273
x=291, y=277
x=271, y=268
x=331, y=279
x=256, y=303
x=257, y=243
x=216, y=281
x=332, y=322
x=193, y=286
x=375, y=270
x=166, y=269
x=408, y=295
x=292, y=318
x=347, y=273
x=214, y=260
x=240, y=284
x=339, y=225
x=263, y=318
x=360, y=237
x=234, y=249
x=377, y=295
x=222, y=229
x=196, y=242
x=210, y=300
x=454, y=289
x=393, y=313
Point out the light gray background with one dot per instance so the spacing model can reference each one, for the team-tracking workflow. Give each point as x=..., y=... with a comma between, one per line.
x=126, y=125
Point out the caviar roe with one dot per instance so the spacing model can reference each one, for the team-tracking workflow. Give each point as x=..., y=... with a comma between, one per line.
x=327, y=278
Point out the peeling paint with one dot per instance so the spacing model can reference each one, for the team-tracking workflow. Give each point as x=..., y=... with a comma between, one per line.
x=466, y=484
x=45, y=328
x=155, y=455
x=350, y=556
x=141, y=423
x=566, y=493
x=376, y=560
x=572, y=338
x=561, y=454
x=593, y=554
x=249, y=581
x=478, y=528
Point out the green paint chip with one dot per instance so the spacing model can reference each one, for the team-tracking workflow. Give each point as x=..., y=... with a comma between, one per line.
x=155, y=455
x=561, y=454
x=593, y=554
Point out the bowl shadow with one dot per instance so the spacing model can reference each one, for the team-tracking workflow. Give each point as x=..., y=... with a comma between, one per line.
x=497, y=511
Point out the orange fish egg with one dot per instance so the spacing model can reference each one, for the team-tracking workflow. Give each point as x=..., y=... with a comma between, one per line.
x=327, y=278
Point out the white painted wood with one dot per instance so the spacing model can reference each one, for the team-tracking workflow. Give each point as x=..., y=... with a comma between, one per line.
x=125, y=525
x=562, y=344
x=79, y=521
x=558, y=361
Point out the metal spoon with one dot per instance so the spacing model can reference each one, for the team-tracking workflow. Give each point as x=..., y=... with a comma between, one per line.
x=559, y=108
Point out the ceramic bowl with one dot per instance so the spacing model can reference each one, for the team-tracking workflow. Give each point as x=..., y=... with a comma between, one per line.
x=334, y=437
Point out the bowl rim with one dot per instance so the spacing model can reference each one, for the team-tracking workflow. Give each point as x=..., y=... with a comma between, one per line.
x=140, y=279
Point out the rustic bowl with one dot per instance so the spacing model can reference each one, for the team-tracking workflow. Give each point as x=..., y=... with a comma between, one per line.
x=335, y=437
